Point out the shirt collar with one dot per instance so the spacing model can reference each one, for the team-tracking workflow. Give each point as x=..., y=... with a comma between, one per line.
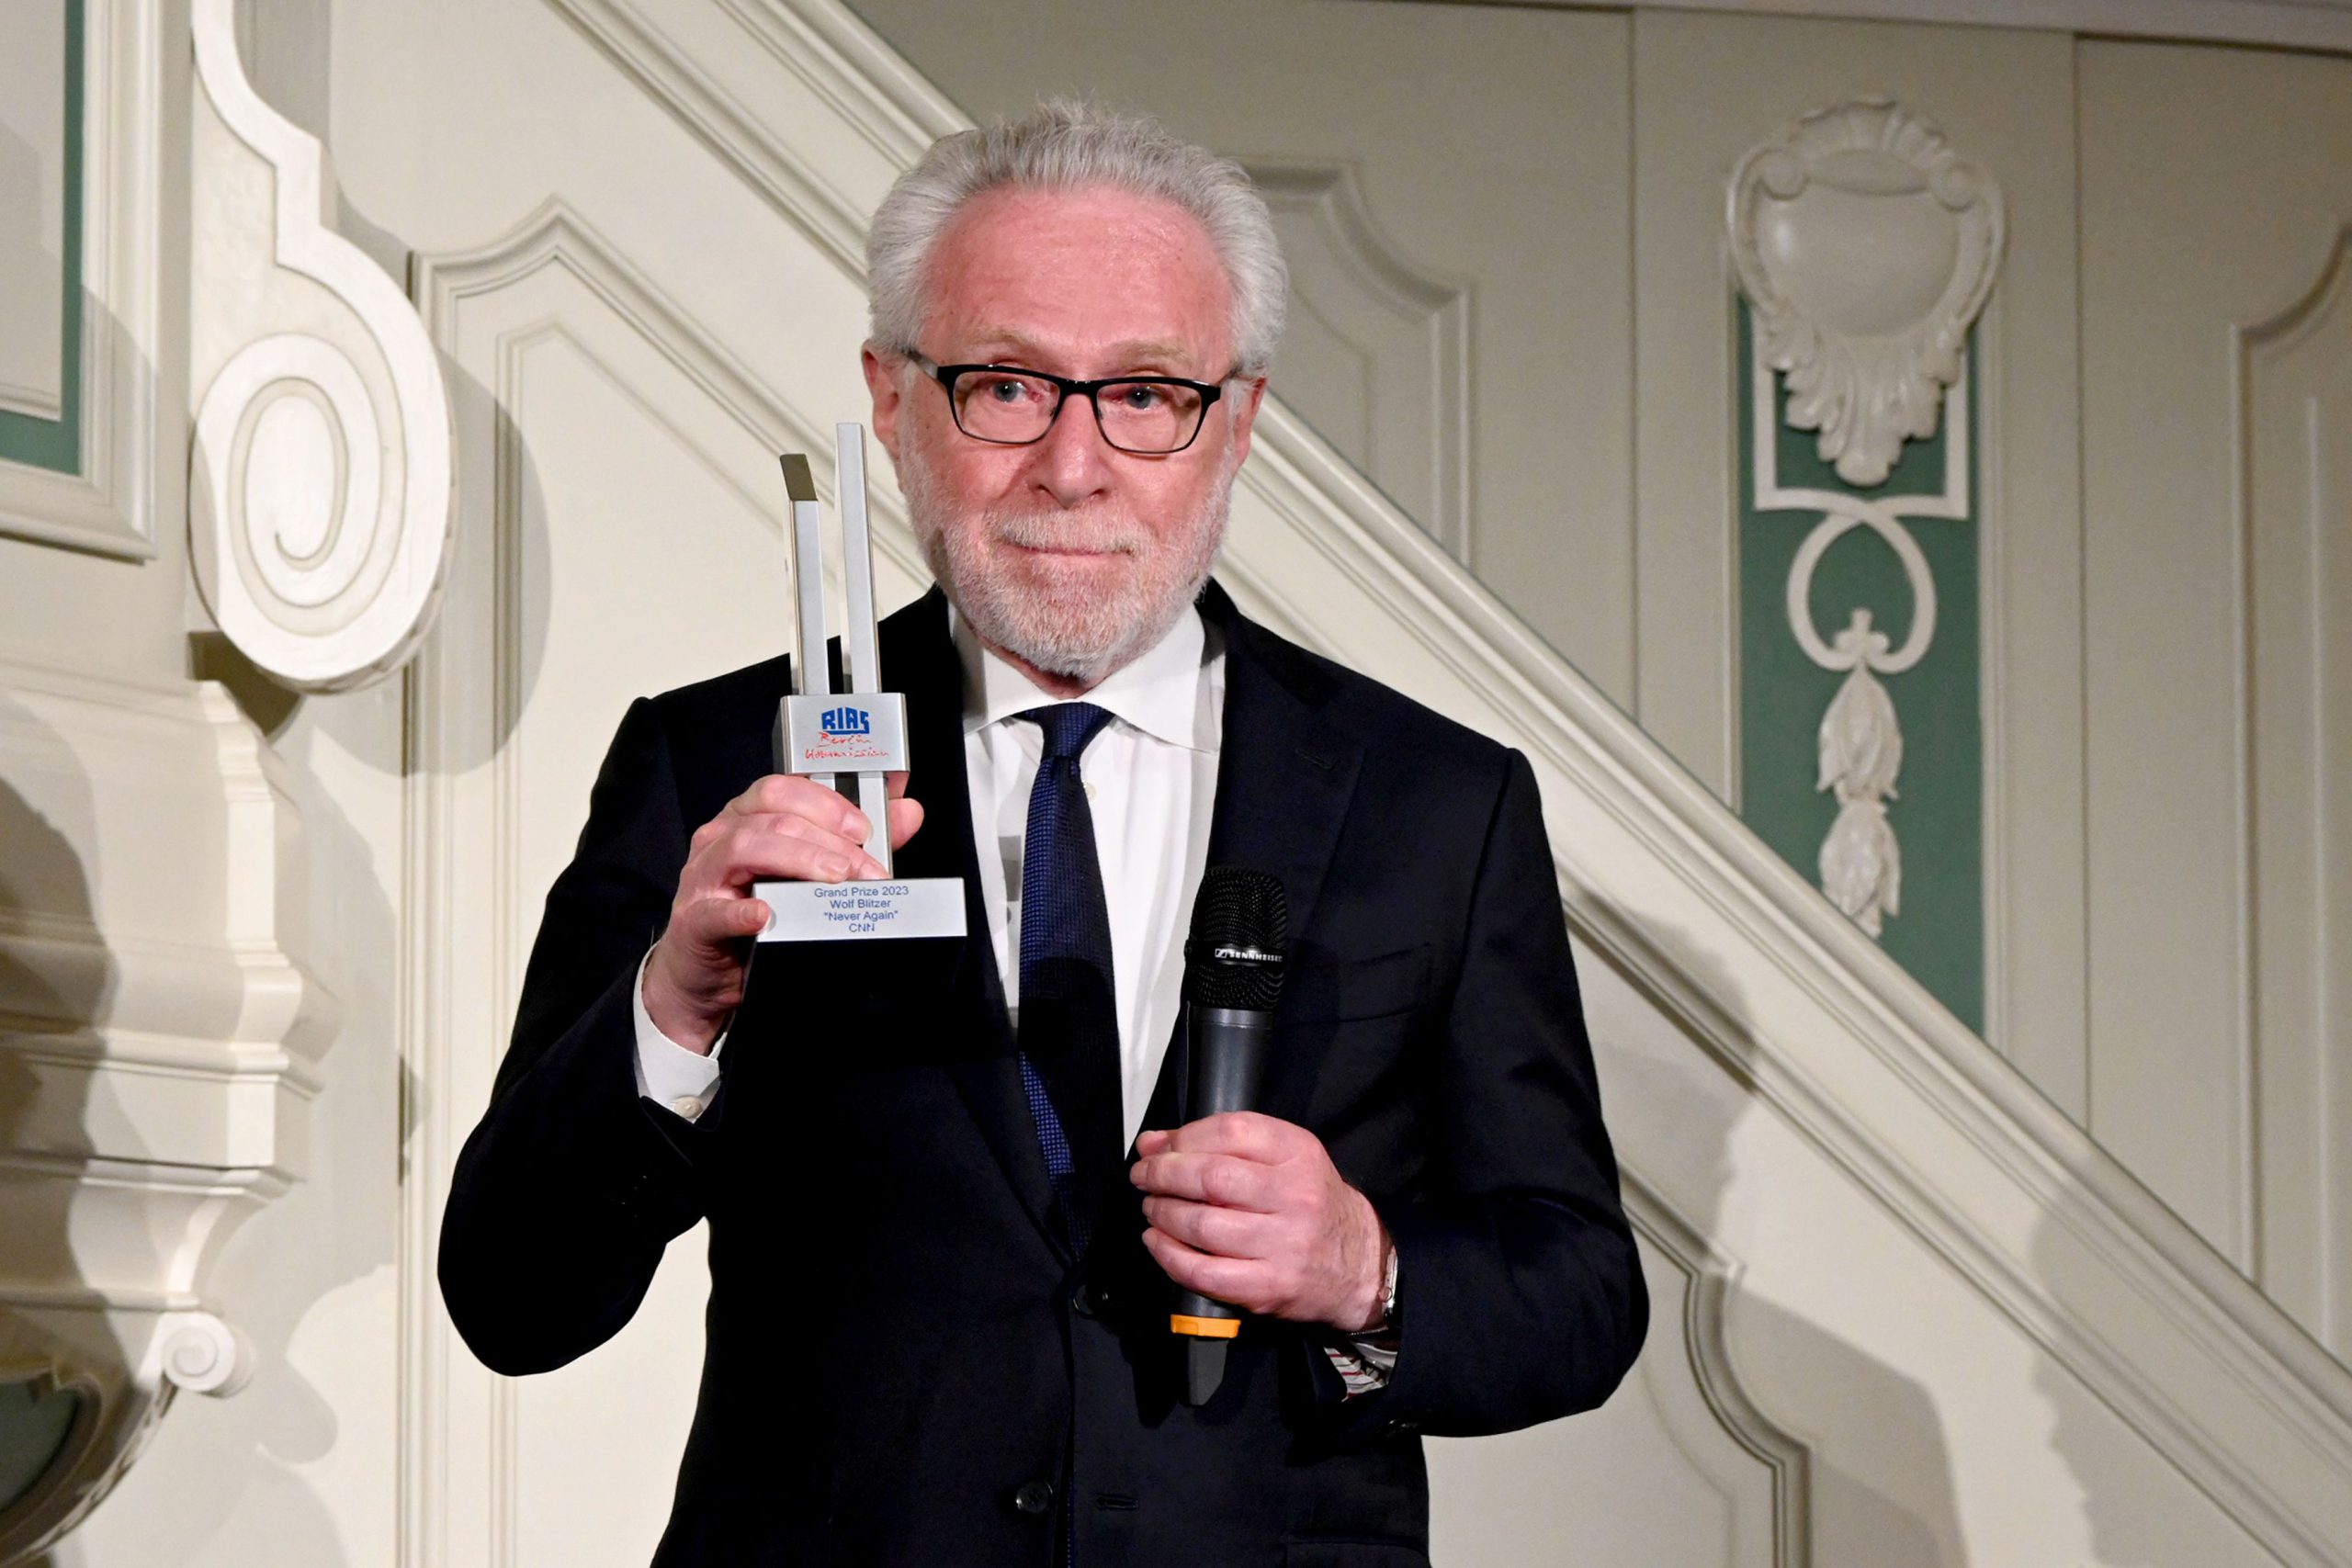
x=1158, y=691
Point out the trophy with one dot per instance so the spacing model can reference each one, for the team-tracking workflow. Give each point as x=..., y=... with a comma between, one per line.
x=851, y=737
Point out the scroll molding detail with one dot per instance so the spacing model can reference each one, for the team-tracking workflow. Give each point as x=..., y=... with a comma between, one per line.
x=319, y=505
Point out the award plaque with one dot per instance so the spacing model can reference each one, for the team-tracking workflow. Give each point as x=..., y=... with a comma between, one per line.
x=851, y=738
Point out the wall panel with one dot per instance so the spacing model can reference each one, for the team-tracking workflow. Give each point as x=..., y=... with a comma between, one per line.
x=1707, y=89
x=2216, y=185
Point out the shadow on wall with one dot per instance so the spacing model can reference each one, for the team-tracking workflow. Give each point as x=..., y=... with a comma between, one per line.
x=2139, y=1510
x=292, y=1470
x=218, y=1473
x=280, y=1472
x=55, y=980
x=1879, y=1470
x=1685, y=1463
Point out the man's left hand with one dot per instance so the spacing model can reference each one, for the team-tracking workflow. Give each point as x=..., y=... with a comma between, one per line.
x=1250, y=1210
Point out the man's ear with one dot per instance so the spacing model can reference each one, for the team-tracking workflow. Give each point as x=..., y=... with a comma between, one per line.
x=1245, y=416
x=883, y=380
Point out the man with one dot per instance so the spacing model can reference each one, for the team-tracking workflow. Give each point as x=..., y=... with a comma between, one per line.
x=948, y=1211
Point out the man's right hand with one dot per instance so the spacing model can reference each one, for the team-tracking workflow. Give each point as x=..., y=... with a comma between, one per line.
x=783, y=827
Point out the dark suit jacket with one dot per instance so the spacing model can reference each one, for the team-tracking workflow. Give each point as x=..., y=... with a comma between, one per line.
x=901, y=1358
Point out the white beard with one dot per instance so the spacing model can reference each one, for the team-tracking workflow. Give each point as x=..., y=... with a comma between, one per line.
x=1072, y=628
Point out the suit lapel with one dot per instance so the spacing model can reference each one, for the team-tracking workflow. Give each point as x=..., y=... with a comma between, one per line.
x=1285, y=775
x=919, y=656
x=1286, y=772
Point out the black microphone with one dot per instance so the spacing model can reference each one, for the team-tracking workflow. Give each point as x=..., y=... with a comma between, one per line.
x=1233, y=977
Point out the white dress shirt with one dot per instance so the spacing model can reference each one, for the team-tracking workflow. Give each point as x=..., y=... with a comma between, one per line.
x=1151, y=778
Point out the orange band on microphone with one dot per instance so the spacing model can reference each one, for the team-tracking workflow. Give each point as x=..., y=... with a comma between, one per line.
x=1204, y=1327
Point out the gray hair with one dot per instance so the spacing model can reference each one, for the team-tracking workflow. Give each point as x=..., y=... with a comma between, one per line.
x=1066, y=144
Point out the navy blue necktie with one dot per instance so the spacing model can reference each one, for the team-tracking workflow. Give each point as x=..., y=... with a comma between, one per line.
x=1069, y=1019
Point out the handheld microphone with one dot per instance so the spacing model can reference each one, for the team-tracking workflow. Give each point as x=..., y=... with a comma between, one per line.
x=1233, y=977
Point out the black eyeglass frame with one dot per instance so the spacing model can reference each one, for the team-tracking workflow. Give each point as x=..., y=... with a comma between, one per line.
x=948, y=374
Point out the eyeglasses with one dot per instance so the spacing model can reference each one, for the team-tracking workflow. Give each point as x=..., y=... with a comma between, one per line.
x=1007, y=406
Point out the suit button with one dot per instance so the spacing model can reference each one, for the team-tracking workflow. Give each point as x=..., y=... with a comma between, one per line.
x=1082, y=1300
x=1033, y=1496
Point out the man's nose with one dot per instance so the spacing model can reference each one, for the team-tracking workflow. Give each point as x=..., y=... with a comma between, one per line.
x=1072, y=461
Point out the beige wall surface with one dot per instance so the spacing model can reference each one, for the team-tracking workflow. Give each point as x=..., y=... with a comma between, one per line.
x=631, y=224
x=2217, y=192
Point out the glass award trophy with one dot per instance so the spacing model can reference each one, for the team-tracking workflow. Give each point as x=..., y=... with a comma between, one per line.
x=850, y=737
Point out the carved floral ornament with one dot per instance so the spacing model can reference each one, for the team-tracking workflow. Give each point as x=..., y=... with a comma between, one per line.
x=1866, y=247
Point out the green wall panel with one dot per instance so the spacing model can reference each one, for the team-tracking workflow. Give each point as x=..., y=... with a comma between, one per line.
x=1938, y=806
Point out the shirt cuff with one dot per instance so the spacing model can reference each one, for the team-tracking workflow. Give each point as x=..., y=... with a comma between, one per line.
x=1363, y=1368
x=680, y=1080
x=1368, y=1360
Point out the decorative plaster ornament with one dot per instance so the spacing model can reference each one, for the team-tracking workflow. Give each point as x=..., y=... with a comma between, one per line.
x=1862, y=752
x=319, y=499
x=1867, y=247
x=1861, y=741
x=160, y=987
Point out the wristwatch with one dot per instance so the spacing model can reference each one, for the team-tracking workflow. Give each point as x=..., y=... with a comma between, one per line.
x=1386, y=1325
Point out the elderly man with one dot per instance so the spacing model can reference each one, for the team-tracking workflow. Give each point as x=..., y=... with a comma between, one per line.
x=946, y=1226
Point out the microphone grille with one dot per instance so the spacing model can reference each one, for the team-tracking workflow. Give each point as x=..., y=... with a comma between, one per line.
x=1240, y=928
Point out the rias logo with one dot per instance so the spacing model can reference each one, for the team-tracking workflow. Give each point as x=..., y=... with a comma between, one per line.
x=846, y=723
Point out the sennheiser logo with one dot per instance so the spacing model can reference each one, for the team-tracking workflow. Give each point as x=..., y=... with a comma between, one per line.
x=846, y=723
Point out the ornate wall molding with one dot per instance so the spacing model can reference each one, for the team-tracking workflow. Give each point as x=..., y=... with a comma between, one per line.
x=1410, y=330
x=1709, y=1296
x=319, y=494
x=2294, y=741
x=1867, y=247
x=1830, y=1033
x=109, y=506
x=1860, y=740
x=158, y=1045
